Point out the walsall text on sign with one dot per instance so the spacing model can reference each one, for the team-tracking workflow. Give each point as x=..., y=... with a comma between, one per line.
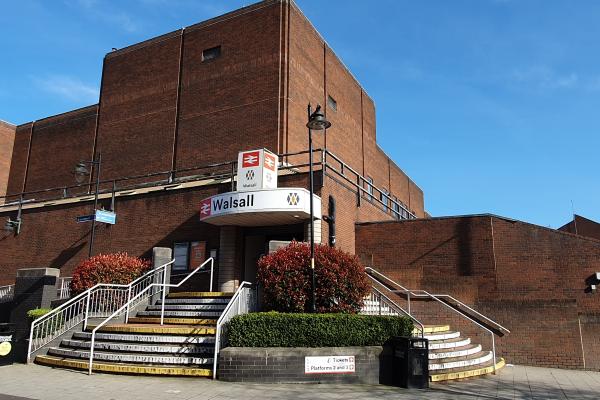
x=329, y=365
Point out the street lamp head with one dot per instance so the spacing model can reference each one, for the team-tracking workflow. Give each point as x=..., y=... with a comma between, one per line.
x=317, y=120
x=81, y=171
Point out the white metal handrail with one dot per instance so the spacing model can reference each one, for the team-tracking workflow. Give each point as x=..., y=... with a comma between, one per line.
x=243, y=301
x=64, y=288
x=425, y=294
x=384, y=302
x=7, y=293
x=98, y=301
x=138, y=298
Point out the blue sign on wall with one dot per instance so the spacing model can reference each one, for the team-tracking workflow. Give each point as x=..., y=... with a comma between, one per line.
x=107, y=217
x=85, y=218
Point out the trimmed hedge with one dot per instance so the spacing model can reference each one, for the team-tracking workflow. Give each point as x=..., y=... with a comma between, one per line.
x=272, y=329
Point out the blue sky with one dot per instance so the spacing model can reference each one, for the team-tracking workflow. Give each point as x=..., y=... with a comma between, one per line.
x=489, y=105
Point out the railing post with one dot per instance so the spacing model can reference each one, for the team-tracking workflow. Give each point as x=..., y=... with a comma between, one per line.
x=494, y=352
x=408, y=297
x=128, y=300
x=87, y=309
x=30, y=343
x=162, y=303
x=232, y=176
x=91, y=352
x=212, y=264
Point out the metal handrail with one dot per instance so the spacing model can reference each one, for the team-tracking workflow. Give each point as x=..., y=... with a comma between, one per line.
x=414, y=293
x=229, y=312
x=127, y=306
x=78, y=309
x=424, y=293
x=392, y=304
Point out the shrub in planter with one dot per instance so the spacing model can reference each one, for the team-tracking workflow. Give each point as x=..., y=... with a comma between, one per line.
x=274, y=329
x=50, y=326
x=118, y=268
x=285, y=276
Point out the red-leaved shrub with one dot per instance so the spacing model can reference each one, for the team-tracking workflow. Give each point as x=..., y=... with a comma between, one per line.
x=285, y=275
x=118, y=268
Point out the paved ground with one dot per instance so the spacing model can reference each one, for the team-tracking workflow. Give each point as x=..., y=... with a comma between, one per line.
x=20, y=382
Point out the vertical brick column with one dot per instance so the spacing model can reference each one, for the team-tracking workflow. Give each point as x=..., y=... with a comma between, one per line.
x=34, y=288
x=229, y=259
x=160, y=256
x=317, y=231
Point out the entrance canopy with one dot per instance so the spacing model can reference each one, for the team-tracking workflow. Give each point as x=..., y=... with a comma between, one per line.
x=281, y=206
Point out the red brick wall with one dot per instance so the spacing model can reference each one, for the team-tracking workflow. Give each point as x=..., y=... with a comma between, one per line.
x=57, y=145
x=7, y=139
x=20, y=155
x=529, y=278
x=230, y=103
x=137, y=108
x=582, y=226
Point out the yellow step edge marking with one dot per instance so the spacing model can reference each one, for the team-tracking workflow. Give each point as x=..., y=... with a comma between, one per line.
x=436, y=328
x=170, y=320
x=158, y=329
x=467, y=374
x=200, y=294
x=122, y=368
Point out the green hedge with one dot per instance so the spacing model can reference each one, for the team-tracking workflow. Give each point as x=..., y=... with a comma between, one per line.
x=314, y=330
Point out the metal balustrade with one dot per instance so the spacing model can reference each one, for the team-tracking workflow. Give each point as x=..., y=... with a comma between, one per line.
x=244, y=301
x=63, y=290
x=377, y=303
x=460, y=309
x=7, y=293
x=139, y=294
x=98, y=301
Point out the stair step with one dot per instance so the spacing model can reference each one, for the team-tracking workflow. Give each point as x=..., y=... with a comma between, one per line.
x=436, y=329
x=188, y=307
x=449, y=343
x=175, y=313
x=173, y=321
x=442, y=335
x=467, y=350
x=459, y=362
x=157, y=329
x=466, y=372
x=119, y=337
x=195, y=301
x=130, y=357
x=175, y=295
x=123, y=368
x=137, y=348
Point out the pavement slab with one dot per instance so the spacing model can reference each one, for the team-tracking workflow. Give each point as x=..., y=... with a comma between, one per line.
x=26, y=382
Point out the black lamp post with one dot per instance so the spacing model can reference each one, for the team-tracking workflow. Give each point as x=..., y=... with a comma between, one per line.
x=81, y=171
x=316, y=121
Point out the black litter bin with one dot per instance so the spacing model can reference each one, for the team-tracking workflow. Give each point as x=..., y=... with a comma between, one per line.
x=7, y=351
x=411, y=362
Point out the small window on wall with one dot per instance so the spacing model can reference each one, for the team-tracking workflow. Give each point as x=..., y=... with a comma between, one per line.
x=396, y=208
x=181, y=255
x=331, y=103
x=211, y=54
x=385, y=199
x=370, y=187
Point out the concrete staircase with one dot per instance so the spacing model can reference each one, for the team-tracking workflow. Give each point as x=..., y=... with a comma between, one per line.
x=183, y=346
x=452, y=356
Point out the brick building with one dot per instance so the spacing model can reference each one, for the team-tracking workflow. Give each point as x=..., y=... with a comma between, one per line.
x=582, y=226
x=173, y=114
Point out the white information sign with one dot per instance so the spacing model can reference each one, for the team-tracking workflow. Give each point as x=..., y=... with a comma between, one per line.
x=257, y=169
x=329, y=365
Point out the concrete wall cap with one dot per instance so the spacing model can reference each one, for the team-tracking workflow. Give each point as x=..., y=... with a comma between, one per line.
x=37, y=272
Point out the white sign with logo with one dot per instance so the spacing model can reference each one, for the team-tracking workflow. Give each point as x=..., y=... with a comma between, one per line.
x=330, y=365
x=296, y=200
x=257, y=169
